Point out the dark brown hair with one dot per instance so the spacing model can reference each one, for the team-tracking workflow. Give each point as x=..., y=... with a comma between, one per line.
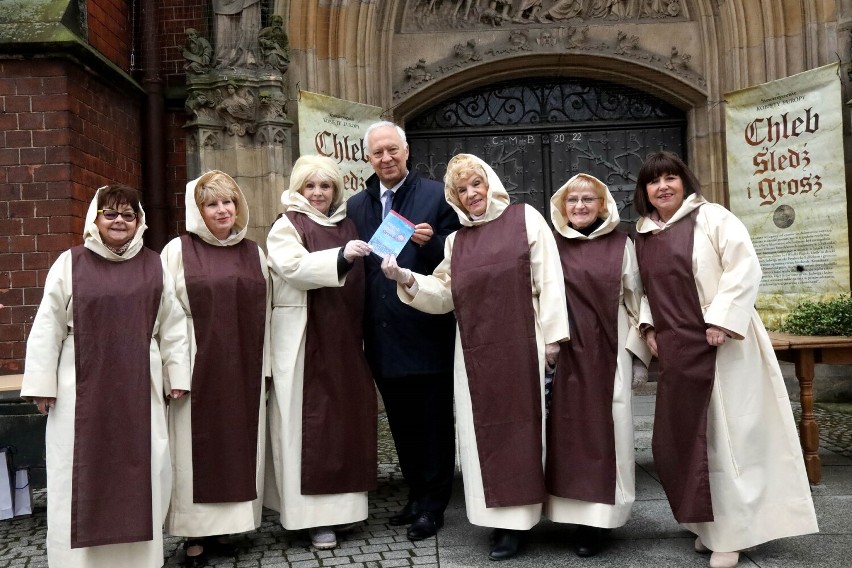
x=656, y=165
x=115, y=195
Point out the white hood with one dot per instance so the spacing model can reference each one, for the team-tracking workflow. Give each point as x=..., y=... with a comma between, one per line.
x=497, y=199
x=92, y=236
x=195, y=222
x=557, y=211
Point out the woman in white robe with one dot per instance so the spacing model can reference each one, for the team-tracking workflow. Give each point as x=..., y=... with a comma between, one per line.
x=223, y=209
x=583, y=211
x=757, y=482
x=314, y=203
x=483, y=200
x=50, y=379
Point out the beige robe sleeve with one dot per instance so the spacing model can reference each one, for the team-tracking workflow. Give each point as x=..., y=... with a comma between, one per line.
x=50, y=329
x=633, y=294
x=299, y=268
x=548, y=284
x=267, y=345
x=170, y=332
x=431, y=293
x=733, y=292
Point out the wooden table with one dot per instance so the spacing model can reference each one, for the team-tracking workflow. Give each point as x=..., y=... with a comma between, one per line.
x=804, y=351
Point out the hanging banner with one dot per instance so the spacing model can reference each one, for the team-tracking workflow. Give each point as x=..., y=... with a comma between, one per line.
x=787, y=183
x=335, y=128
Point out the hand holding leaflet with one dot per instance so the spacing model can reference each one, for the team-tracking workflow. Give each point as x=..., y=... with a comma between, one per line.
x=391, y=236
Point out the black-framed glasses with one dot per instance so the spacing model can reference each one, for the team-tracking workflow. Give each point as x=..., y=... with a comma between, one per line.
x=573, y=201
x=112, y=214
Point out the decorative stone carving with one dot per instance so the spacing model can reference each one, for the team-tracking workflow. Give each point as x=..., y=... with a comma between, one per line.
x=237, y=25
x=678, y=60
x=274, y=45
x=574, y=39
x=273, y=106
x=433, y=15
x=237, y=109
x=198, y=53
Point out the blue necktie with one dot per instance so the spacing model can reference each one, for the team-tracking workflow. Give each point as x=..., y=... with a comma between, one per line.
x=388, y=203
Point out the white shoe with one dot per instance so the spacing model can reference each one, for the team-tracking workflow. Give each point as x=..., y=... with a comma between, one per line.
x=322, y=538
x=699, y=546
x=724, y=559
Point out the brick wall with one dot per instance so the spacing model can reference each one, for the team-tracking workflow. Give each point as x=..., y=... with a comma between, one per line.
x=63, y=133
x=175, y=17
x=110, y=24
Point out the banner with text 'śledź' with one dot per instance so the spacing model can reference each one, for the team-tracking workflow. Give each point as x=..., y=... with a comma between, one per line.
x=787, y=184
x=335, y=128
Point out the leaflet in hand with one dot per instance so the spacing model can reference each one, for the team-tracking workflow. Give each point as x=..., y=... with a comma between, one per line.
x=392, y=234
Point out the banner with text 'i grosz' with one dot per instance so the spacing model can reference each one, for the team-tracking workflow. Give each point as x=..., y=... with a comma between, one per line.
x=788, y=185
x=335, y=128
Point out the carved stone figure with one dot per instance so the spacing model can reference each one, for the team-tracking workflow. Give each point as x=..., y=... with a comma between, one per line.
x=418, y=73
x=575, y=36
x=600, y=8
x=197, y=52
x=527, y=11
x=274, y=44
x=677, y=60
x=273, y=105
x=546, y=38
x=237, y=110
x=562, y=10
x=466, y=51
x=237, y=27
x=625, y=44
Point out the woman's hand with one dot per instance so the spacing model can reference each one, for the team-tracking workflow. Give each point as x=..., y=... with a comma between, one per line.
x=393, y=271
x=44, y=403
x=177, y=393
x=551, y=353
x=354, y=249
x=651, y=340
x=716, y=336
x=422, y=233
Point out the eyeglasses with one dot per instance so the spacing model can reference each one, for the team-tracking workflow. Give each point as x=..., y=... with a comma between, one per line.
x=112, y=214
x=573, y=201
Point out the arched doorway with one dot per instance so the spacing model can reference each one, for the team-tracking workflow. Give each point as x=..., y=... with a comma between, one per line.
x=537, y=133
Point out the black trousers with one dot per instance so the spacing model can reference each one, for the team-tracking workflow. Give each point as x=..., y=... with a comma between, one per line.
x=420, y=415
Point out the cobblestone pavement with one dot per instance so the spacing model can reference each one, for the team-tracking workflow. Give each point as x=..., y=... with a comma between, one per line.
x=375, y=544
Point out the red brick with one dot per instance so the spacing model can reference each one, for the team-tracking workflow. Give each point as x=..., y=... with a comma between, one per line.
x=8, y=120
x=34, y=191
x=36, y=260
x=42, y=276
x=24, y=279
x=54, y=242
x=29, y=86
x=12, y=296
x=49, y=102
x=23, y=209
x=31, y=121
x=5, y=280
x=8, y=86
x=54, y=85
x=33, y=156
x=19, y=174
x=60, y=190
x=59, y=137
x=9, y=192
x=23, y=314
x=32, y=296
x=23, y=243
x=9, y=156
x=19, y=139
x=58, y=155
x=11, y=261
x=52, y=172
x=11, y=227
x=54, y=120
x=66, y=224
x=12, y=331
x=53, y=207
x=15, y=103
x=4, y=244
x=34, y=226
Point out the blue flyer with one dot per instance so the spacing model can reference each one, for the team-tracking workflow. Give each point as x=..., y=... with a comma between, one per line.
x=391, y=235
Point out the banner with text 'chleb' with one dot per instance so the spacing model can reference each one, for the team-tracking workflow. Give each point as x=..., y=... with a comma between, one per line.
x=335, y=128
x=787, y=183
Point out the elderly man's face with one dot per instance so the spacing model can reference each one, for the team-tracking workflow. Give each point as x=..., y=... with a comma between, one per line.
x=388, y=154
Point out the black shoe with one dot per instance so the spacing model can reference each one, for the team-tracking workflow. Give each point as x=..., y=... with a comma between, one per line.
x=426, y=525
x=406, y=515
x=219, y=547
x=197, y=560
x=589, y=540
x=505, y=544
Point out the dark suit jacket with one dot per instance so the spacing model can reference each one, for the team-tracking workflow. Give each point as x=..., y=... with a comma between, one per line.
x=398, y=339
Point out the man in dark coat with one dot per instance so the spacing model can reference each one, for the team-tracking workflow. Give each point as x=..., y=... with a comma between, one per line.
x=410, y=352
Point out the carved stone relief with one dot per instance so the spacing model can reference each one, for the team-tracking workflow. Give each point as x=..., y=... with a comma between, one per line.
x=435, y=15
x=570, y=39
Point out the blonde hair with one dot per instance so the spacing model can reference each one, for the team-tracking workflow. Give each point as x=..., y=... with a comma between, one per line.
x=461, y=167
x=584, y=181
x=322, y=167
x=216, y=185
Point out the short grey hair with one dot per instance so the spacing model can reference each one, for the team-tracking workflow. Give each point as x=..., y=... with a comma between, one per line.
x=383, y=124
